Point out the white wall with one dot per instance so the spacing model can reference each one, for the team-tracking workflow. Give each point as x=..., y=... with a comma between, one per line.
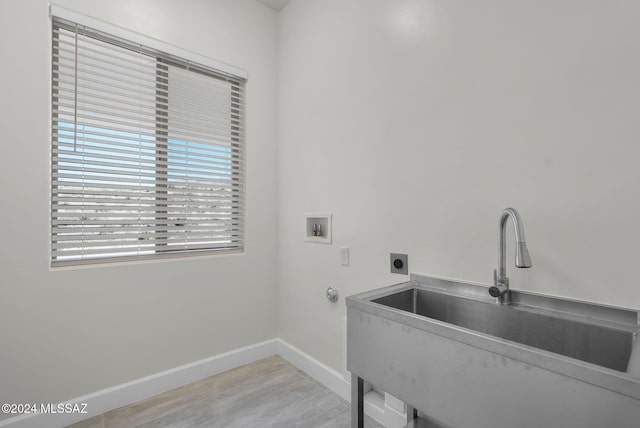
x=416, y=122
x=69, y=332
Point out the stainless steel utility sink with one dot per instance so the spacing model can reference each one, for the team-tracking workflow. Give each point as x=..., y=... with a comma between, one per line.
x=598, y=344
x=448, y=350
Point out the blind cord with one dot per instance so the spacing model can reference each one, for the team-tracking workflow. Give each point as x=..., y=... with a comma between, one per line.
x=75, y=91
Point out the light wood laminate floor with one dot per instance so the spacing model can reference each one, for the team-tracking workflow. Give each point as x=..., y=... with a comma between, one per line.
x=266, y=393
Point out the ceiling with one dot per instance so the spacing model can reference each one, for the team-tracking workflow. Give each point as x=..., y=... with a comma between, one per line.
x=274, y=4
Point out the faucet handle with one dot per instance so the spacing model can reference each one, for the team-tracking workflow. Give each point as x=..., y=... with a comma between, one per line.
x=499, y=288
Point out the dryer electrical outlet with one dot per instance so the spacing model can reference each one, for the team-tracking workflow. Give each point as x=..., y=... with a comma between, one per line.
x=399, y=263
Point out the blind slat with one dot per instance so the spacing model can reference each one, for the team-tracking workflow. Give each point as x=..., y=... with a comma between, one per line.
x=87, y=188
x=98, y=234
x=134, y=241
x=143, y=146
x=169, y=159
x=75, y=226
x=134, y=250
x=107, y=195
x=169, y=169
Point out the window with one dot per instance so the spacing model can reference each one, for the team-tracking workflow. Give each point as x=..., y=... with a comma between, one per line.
x=147, y=151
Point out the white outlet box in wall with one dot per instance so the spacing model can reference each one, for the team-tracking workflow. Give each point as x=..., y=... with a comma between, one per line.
x=318, y=228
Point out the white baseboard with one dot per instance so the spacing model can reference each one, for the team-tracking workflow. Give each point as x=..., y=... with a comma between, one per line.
x=121, y=395
x=314, y=368
x=130, y=392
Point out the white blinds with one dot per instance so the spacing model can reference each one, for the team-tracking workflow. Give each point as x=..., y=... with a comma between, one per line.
x=147, y=151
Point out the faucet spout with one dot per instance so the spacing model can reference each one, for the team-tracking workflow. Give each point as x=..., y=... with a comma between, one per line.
x=523, y=259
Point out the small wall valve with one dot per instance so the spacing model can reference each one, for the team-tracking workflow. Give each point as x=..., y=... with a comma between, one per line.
x=332, y=294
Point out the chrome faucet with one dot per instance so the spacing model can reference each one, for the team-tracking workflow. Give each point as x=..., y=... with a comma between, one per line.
x=523, y=260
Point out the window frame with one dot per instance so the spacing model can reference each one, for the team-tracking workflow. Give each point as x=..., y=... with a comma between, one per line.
x=166, y=55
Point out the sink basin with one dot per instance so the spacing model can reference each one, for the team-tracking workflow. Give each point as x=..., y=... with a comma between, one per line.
x=597, y=344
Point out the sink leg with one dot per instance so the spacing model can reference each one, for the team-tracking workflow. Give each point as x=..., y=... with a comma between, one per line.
x=411, y=413
x=357, y=402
